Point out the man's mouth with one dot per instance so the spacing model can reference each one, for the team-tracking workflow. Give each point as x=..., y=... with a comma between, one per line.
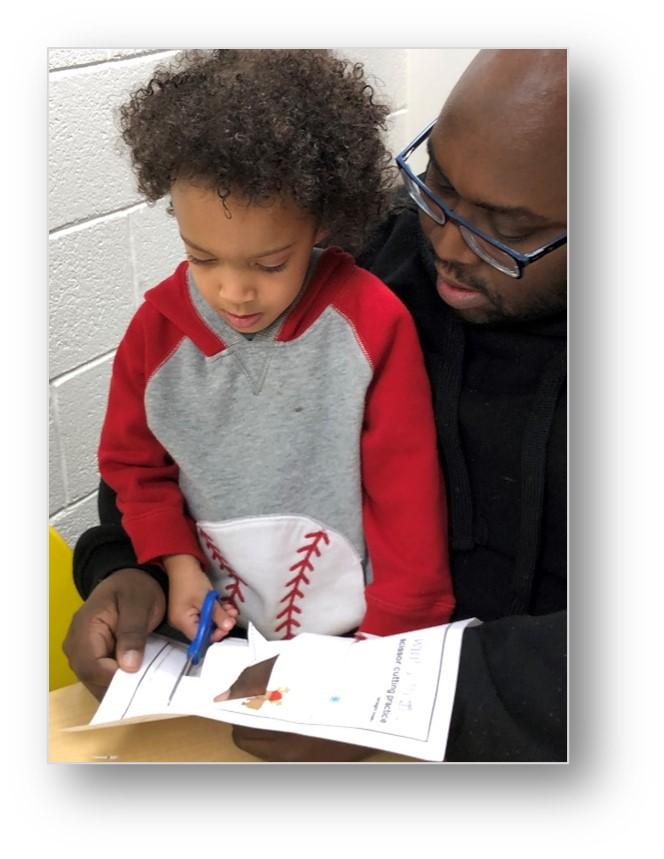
x=456, y=285
x=458, y=295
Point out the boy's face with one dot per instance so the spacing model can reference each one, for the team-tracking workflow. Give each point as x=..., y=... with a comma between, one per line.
x=249, y=267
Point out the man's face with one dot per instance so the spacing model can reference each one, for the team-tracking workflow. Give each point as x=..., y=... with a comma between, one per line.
x=508, y=179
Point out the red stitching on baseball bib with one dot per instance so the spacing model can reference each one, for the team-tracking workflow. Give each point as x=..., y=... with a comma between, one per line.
x=303, y=566
x=233, y=589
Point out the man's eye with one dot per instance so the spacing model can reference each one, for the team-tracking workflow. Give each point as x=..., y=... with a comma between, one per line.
x=513, y=236
x=505, y=230
x=442, y=188
x=507, y=236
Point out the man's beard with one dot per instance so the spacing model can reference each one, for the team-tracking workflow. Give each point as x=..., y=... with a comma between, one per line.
x=539, y=307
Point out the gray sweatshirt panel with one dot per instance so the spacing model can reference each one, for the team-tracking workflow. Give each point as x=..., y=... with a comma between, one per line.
x=265, y=427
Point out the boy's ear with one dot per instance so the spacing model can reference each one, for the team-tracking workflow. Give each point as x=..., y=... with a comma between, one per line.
x=321, y=235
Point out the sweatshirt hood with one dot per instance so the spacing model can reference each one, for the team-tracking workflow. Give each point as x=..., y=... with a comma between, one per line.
x=173, y=300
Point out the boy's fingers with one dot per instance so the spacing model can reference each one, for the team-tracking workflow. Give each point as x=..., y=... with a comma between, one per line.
x=224, y=621
x=184, y=620
x=230, y=609
x=223, y=618
x=189, y=626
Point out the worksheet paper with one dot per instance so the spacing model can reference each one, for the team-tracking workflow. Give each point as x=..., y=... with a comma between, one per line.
x=393, y=693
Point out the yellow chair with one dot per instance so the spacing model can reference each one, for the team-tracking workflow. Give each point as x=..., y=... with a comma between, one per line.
x=63, y=602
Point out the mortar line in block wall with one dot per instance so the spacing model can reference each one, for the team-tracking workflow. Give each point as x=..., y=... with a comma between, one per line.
x=72, y=505
x=133, y=263
x=60, y=446
x=72, y=372
x=59, y=70
x=85, y=223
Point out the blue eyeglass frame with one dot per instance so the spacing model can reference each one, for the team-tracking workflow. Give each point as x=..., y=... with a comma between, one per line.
x=521, y=260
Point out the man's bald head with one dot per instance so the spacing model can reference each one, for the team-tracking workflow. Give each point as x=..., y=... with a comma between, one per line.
x=518, y=91
x=499, y=154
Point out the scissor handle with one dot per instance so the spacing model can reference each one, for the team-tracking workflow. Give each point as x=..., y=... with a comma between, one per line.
x=205, y=624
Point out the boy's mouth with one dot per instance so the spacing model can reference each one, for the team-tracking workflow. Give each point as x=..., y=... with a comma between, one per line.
x=242, y=322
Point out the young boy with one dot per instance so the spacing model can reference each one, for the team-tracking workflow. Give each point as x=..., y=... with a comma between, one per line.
x=269, y=429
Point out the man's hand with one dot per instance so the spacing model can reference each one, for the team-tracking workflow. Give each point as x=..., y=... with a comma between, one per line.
x=110, y=629
x=278, y=745
x=288, y=748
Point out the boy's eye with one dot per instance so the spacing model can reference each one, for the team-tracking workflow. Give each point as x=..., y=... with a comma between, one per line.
x=272, y=269
x=197, y=261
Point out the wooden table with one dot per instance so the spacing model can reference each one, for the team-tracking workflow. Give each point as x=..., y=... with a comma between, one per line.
x=187, y=739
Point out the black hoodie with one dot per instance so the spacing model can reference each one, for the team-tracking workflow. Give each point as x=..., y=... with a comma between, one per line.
x=500, y=402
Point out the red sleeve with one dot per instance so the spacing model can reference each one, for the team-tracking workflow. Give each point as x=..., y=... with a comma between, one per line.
x=405, y=514
x=131, y=460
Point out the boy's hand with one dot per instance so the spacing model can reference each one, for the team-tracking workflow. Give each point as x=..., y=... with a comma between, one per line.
x=188, y=586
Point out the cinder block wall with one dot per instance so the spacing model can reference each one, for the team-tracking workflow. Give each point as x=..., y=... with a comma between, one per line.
x=107, y=247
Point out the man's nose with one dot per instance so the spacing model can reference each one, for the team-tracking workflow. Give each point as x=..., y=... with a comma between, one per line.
x=450, y=245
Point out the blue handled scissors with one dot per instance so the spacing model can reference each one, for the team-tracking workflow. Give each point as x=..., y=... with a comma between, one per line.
x=198, y=646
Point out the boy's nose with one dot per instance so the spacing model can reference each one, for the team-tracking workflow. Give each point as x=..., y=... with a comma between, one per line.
x=236, y=290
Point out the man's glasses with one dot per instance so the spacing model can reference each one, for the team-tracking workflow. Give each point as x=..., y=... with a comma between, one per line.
x=492, y=251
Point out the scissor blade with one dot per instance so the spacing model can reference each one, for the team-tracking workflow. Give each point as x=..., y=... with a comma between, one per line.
x=185, y=670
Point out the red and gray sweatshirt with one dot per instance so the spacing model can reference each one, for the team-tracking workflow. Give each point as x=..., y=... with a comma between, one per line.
x=299, y=466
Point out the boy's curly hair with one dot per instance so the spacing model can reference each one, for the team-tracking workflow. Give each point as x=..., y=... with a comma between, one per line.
x=263, y=123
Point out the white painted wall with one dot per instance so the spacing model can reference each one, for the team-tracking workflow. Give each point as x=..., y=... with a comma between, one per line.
x=107, y=247
x=431, y=75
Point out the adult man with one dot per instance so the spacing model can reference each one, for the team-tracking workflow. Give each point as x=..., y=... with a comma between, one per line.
x=479, y=259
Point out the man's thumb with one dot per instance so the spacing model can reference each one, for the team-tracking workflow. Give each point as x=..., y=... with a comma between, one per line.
x=130, y=643
x=140, y=608
x=130, y=660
